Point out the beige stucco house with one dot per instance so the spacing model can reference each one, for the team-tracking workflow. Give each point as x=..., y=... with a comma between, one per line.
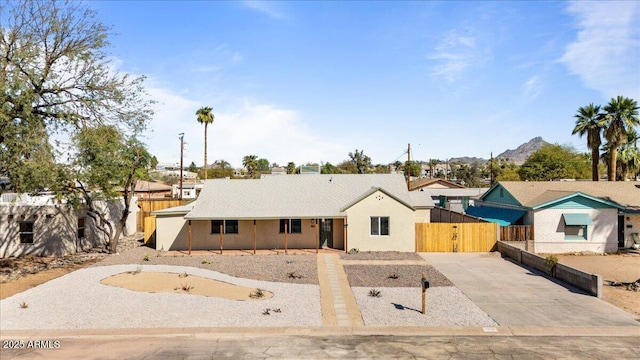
x=369, y=212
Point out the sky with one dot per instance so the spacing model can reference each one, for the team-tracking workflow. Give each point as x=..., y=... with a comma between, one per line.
x=311, y=81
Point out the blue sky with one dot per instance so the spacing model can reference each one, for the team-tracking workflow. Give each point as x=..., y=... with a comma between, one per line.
x=310, y=81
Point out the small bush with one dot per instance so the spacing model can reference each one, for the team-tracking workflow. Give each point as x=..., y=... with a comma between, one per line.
x=24, y=305
x=289, y=262
x=184, y=287
x=393, y=276
x=183, y=275
x=206, y=261
x=137, y=271
x=293, y=275
x=375, y=293
x=354, y=251
x=550, y=263
x=266, y=312
x=146, y=257
x=257, y=294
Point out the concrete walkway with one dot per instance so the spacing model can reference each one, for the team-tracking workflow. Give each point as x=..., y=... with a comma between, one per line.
x=516, y=296
x=339, y=307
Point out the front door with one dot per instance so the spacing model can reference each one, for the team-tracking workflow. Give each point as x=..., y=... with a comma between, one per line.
x=621, y=231
x=326, y=233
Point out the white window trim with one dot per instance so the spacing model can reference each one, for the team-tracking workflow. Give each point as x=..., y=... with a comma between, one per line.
x=380, y=226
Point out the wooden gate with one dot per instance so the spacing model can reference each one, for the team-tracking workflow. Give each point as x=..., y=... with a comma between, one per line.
x=150, y=230
x=456, y=237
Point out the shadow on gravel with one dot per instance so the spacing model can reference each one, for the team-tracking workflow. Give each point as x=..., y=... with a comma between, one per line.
x=402, y=307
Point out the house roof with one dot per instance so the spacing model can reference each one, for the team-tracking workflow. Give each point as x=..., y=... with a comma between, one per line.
x=433, y=183
x=295, y=196
x=536, y=193
x=150, y=186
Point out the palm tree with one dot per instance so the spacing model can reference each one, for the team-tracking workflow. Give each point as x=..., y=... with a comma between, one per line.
x=206, y=117
x=588, y=121
x=621, y=115
x=432, y=166
x=251, y=163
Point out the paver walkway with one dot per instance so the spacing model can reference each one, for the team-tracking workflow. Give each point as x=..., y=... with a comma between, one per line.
x=516, y=296
x=339, y=307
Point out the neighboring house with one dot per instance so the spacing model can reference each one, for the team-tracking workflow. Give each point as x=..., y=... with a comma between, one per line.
x=435, y=183
x=447, y=194
x=369, y=212
x=567, y=216
x=152, y=190
x=41, y=226
x=189, y=191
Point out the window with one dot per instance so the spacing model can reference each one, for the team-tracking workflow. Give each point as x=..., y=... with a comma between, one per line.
x=380, y=226
x=576, y=225
x=81, y=228
x=228, y=226
x=575, y=232
x=294, y=226
x=26, y=232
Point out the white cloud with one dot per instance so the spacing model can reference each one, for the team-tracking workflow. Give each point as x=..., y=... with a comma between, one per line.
x=455, y=54
x=532, y=88
x=606, y=53
x=245, y=128
x=266, y=7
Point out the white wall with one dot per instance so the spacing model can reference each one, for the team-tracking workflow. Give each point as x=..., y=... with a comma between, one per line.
x=602, y=235
x=401, y=221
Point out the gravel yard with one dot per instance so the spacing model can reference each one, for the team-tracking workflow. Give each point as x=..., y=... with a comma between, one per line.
x=79, y=301
x=402, y=306
x=393, y=276
x=299, y=269
x=381, y=255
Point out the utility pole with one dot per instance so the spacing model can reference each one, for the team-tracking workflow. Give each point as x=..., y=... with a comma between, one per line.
x=491, y=169
x=408, y=167
x=181, y=167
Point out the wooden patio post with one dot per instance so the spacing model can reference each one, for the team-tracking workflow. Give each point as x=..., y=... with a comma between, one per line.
x=317, y=231
x=189, y=237
x=221, y=240
x=286, y=231
x=346, y=237
x=254, y=237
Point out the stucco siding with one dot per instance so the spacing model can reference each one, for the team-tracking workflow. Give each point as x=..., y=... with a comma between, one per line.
x=550, y=231
x=422, y=215
x=401, y=222
x=55, y=231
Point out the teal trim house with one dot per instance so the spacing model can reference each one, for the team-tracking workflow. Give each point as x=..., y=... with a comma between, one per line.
x=567, y=216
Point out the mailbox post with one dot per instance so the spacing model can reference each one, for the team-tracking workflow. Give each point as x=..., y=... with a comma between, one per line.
x=425, y=286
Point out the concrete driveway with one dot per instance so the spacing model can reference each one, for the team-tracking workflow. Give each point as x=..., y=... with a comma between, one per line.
x=517, y=296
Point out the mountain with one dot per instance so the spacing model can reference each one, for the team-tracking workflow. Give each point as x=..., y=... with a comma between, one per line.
x=522, y=152
x=518, y=155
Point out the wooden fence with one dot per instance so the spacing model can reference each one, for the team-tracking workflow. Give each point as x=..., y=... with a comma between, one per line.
x=148, y=205
x=456, y=237
x=441, y=215
x=150, y=230
x=516, y=233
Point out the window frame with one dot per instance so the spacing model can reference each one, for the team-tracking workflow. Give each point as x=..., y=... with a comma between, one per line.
x=291, y=223
x=26, y=236
x=377, y=223
x=228, y=226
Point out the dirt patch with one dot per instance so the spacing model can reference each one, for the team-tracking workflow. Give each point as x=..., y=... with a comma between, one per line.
x=154, y=282
x=614, y=269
